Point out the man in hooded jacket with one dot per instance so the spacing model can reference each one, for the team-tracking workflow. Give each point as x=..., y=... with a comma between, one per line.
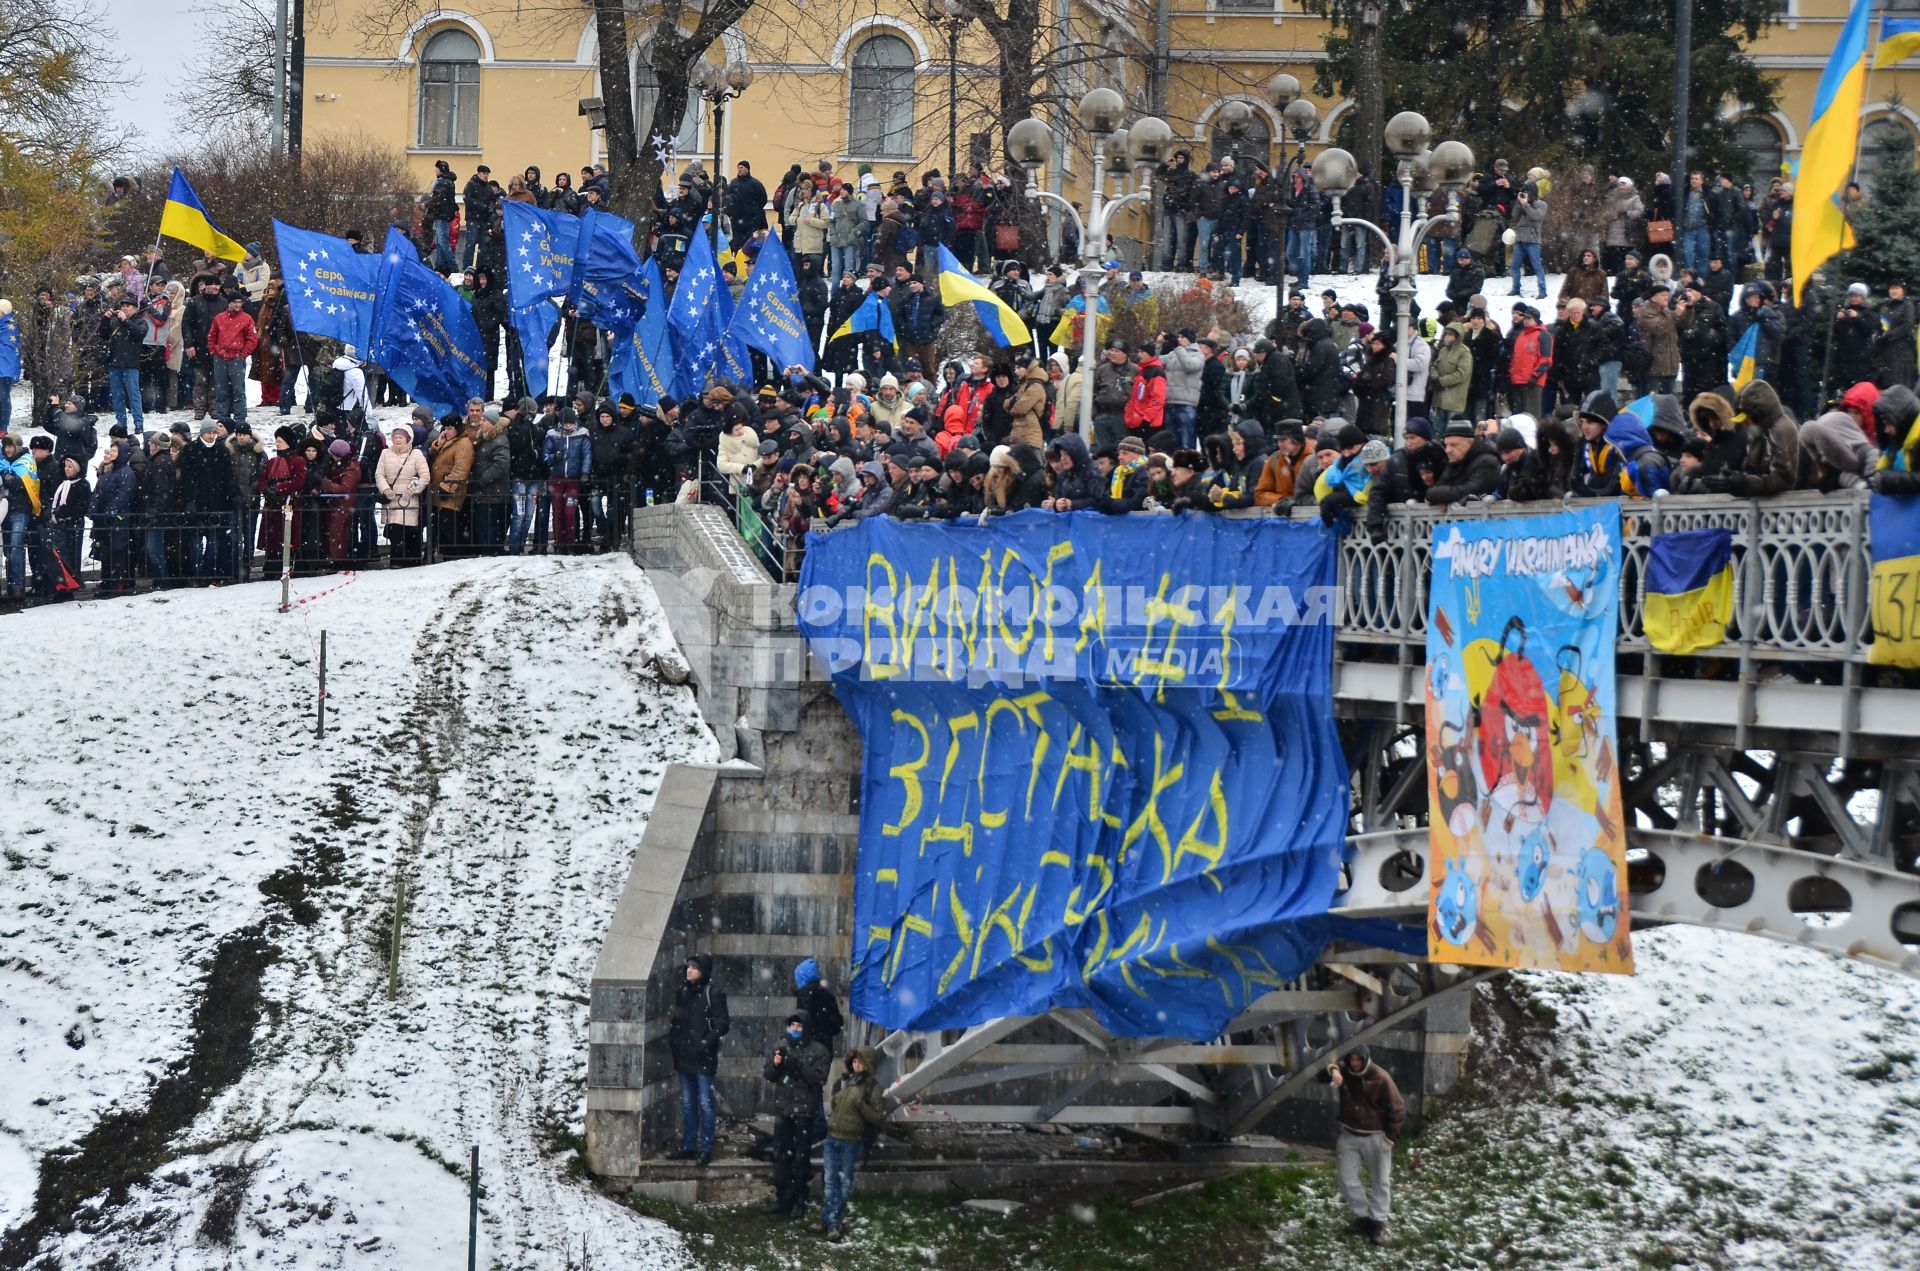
x=695, y=1025
x=1372, y=1117
x=797, y=1070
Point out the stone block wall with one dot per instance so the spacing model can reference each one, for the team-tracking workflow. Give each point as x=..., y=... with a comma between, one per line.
x=751, y=862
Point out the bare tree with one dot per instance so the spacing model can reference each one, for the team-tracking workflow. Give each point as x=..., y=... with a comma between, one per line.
x=244, y=86
x=632, y=163
x=54, y=137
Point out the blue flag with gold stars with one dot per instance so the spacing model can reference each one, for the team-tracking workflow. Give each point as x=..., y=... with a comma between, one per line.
x=768, y=317
x=424, y=334
x=694, y=315
x=330, y=286
x=603, y=254
x=540, y=248
x=641, y=362
x=9, y=347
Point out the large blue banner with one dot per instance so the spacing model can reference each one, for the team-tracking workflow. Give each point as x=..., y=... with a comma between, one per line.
x=1101, y=767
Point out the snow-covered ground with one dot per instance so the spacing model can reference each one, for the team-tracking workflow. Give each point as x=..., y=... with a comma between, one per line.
x=495, y=739
x=1795, y=1075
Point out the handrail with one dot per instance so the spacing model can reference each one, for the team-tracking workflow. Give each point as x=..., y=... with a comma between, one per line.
x=1800, y=569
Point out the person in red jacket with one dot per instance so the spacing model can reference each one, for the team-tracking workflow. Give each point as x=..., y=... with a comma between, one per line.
x=1531, y=359
x=231, y=339
x=1147, y=405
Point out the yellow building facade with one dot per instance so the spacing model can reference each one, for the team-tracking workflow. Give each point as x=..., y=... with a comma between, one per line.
x=868, y=83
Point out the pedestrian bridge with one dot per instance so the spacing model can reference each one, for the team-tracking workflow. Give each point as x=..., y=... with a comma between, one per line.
x=1772, y=790
x=1773, y=786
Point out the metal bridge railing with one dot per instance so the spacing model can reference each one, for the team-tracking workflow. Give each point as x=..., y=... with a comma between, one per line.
x=1799, y=571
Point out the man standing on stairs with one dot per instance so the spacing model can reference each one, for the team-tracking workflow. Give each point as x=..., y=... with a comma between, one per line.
x=1372, y=1118
x=695, y=1026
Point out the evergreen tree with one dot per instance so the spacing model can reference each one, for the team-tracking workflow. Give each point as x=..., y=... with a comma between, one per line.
x=1886, y=226
x=1580, y=81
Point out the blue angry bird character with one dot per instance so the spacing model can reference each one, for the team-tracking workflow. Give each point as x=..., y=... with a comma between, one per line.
x=1599, y=896
x=1458, y=908
x=1535, y=852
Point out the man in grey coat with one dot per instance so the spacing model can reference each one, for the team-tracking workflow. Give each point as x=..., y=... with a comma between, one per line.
x=1184, y=363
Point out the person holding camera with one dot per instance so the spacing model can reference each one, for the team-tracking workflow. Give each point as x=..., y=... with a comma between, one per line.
x=1372, y=1118
x=798, y=1070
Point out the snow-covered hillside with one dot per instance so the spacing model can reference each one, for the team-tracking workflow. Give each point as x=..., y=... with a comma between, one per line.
x=199, y=897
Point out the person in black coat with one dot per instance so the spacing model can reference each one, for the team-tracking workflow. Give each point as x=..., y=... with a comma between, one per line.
x=1215, y=406
x=1273, y=391
x=205, y=485
x=1523, y=478
x=797, y=1070
x=746, y=205
x=695, y=1024
x=1854, y=329
x=1893, y=348
x=66, y=504
x=1321, y=385
x=1473, y=466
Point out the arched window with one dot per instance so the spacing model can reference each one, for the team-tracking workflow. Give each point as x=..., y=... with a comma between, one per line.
x=1254, y=142
x=646, y=88
x=881, y=105
x=450, y=91
x=1883, y=142
x=1760, y=142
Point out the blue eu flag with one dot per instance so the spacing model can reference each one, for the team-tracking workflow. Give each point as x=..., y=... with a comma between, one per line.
x=10, y=348
x=613, y=306
x=330, y=287
x=540, y=249
x=642, y=361
x=694, y=316
x=769, y=317
x=605, y=252
x=423, y=332
x=534, y=325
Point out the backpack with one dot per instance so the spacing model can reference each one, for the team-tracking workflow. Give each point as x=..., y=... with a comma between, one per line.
x=906, y=240
x=329, y=387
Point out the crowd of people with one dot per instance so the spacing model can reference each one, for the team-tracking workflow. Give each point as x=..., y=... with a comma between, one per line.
x=1651, y=304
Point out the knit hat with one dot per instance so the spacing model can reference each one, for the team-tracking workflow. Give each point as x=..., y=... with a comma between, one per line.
x=889, y=381
x=1133, y=445
x=1003, y=458
x=1420, y=426
x=1459, y=428
x=721, y=393
x=340, y=449
x=1509, y=439
x=1375, y=451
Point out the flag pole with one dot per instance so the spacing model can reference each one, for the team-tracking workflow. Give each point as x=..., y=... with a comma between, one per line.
x=1853, y=178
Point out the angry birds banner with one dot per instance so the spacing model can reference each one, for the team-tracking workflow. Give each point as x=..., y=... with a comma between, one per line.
x=1528, y=848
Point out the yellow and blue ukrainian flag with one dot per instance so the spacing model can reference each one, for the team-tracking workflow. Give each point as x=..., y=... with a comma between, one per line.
x=1820, y=229
x=872, y=315
x=184, y=218
x=1899, y=40
x=1689, y=590
x=1893, y=537
x=1001, y=322
x=1740, y=362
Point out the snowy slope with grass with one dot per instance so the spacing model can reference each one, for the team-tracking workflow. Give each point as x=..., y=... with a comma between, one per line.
x=199, y=899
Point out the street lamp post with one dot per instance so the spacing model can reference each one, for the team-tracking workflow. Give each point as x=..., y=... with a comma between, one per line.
x=1301, y=117
x=1420, y=171
x=956, y=18
x=719, y=85
x=1030, y=144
